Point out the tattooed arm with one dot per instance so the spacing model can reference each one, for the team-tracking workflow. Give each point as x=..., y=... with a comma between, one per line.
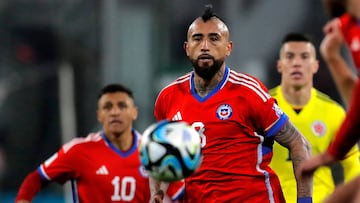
x=300, y=150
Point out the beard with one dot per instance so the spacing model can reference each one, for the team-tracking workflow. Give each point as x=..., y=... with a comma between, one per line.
x=206, y=71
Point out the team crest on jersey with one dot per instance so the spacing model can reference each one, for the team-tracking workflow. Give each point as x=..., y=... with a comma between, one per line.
x=143, y=172
x=277, y=110
x=224, y=112
x=318, y=128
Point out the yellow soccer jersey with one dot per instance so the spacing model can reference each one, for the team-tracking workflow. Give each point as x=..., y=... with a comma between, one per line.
x=318, y=121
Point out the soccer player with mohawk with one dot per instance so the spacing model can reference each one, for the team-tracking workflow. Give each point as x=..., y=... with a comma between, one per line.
x=237, y=121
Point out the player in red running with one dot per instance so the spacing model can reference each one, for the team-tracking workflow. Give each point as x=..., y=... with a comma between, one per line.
x=342, y=29
x=237, y=121
x=104, y=166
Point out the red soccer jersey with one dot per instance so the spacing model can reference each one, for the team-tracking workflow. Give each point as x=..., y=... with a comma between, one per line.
x=349, y=132
x=101, y=172
x=236, y=123
x=350, y=29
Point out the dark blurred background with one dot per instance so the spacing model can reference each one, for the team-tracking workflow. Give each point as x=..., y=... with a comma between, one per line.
x=56, y=55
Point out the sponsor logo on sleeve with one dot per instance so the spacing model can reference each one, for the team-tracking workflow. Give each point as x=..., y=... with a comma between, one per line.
x=277, y=110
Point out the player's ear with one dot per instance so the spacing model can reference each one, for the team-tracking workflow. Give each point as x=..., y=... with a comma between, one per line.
x=186, y=48
x=135, y=113
x=98, y=116
x=316, y=66
x=278, y=66
x=229, y=48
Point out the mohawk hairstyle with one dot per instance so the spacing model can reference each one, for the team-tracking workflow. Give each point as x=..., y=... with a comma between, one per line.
x=208, y=13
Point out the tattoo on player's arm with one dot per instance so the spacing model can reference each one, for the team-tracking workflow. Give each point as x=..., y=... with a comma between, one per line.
x=290, y=137
x=300, y=150
x=286, y=135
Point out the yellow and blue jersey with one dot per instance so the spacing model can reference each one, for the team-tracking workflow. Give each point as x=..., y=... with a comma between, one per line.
x=318, y=121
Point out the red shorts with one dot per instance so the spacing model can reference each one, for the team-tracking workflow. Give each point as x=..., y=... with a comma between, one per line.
x=234, y=191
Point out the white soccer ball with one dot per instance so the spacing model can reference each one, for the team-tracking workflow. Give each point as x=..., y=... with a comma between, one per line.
x=170, y=150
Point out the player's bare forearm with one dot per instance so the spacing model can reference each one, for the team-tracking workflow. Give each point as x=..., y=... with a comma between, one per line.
x=157, y=189
x=346, y=192
x=154, y=185
x=300, y=150
x=343, y=76
x=330, y=50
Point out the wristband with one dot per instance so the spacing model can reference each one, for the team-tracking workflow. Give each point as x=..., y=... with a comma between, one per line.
x=304, y=200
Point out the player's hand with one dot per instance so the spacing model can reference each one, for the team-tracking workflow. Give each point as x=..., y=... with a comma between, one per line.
x=309, y=166
x=158, y=197
x=331, y=44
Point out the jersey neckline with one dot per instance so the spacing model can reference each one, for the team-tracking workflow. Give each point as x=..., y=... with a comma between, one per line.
x=212, y=92
x=118, y=151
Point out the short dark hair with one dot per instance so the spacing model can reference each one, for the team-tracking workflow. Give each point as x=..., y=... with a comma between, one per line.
x=296, y=37
x=334, y=8
x=112, y=88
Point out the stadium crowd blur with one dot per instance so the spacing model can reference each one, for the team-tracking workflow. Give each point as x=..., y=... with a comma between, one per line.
x=55, y=53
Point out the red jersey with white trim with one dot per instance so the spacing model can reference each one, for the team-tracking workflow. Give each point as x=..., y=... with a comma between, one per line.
x=176, y=190
x=236, y=123
x=350, y=29
x=101, y=172
x=349, y=132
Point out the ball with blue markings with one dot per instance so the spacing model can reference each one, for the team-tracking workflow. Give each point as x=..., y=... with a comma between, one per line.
x=170, y=150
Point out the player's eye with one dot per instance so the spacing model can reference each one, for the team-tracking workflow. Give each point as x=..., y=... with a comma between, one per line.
x=305, y=56
x=122, y=105
x=214, y=38
x=197, y=38
x=107, y=106
x=289, y=56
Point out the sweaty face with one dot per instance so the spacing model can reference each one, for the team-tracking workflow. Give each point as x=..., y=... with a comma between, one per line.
x=116, y=112
x=297, y=64
x=207, y=46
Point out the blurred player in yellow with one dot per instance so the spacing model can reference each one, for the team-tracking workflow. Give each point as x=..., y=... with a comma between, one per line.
x=315, y=114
